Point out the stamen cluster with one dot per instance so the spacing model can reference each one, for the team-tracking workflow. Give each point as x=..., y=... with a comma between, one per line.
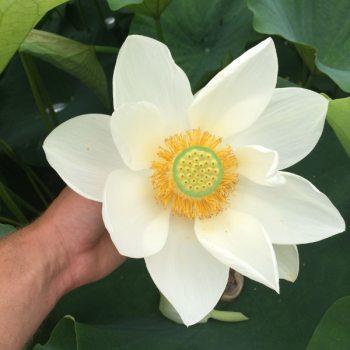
x=183, y=204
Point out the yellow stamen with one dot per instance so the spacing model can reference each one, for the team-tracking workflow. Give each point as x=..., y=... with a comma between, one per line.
x=166, y=188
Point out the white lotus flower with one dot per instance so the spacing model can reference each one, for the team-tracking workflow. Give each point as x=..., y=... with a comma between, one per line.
x=239, y=131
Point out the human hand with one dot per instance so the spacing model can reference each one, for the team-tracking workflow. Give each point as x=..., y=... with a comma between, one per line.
x=68, y=246
x=77, y=226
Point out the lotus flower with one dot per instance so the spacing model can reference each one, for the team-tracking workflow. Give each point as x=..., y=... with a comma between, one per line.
x=193, y=184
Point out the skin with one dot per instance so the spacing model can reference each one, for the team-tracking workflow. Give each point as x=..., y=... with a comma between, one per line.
x=67, y=247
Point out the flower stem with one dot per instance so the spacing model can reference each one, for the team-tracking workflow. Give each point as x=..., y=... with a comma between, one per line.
x=7, y=149
x=59, y=12
x=35, y=91
x=82, y=17
x=62, y=16
x=309, y=81
x=9, y=221
x=228, y=316
x=159, y=30
x=37, y=189
x=21, y=201
x=107, y=49
x=29, y=172
x=39, y=181
x=42, y=89
x=12, y=205
x=100, y=15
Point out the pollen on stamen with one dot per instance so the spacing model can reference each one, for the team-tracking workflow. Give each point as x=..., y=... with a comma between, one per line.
x=196, y=177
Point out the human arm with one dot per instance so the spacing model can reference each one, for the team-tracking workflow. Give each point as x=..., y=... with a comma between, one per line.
x=68, y=246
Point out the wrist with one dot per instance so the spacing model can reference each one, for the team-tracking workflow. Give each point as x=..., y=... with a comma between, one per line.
x=49, y=253
x=31, y=280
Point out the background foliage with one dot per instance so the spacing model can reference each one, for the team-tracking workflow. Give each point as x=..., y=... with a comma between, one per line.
x=121, y=311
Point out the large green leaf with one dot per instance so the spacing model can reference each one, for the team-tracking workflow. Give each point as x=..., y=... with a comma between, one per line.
x=319, y=28
x=338, y=116
x=118, y=4
x=20, y=123
x=17, y=19
x=150, y=8
x=200, y=32
x=63, y=336
x=71, y=56
x=121, y=311
x=333, y=332
x=6, y=230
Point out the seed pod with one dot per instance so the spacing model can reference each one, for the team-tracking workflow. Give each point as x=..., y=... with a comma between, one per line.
x=233, y=288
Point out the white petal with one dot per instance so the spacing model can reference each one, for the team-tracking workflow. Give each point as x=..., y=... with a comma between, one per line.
x=145, y=71
x=188, y=276
x=291, y=124
x=259, y=164
x=137, y=224
x=239, y=241
x=137, y=130
x=237, y=95
x=169, y=311
x=292, y=213
x=83, y=153
x=287, y=261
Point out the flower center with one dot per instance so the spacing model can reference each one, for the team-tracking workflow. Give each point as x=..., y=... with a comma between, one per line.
x=197, y=171
x=195, y=177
